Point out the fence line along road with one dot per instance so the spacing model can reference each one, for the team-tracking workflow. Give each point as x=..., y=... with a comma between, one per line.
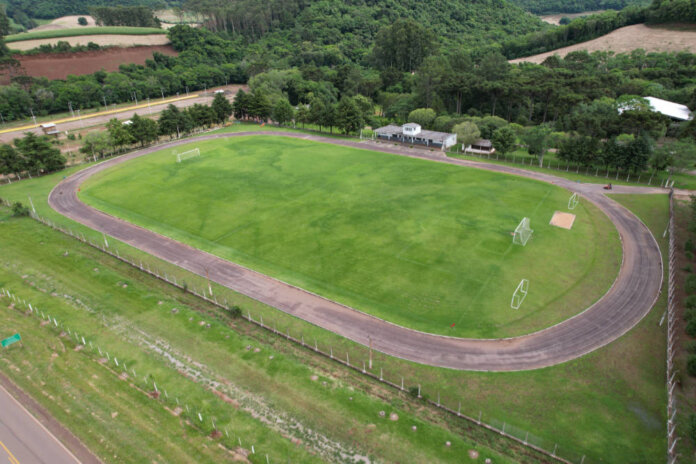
x=631, y=297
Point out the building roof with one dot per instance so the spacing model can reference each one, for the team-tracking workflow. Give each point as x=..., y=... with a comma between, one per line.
x=671, y=109
x=424, y=134
x=412, y=124
x=48, y=124
x=483, y=143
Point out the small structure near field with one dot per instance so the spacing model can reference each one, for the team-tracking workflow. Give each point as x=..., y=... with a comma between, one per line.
x=50, y=128
x=480, y=147
x=412, y=133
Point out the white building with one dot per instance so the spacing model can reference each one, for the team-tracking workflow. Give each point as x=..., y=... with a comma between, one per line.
x=670, y=109
x=412, y=133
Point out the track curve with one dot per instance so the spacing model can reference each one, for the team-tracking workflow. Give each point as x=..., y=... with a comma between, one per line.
x=633, y=294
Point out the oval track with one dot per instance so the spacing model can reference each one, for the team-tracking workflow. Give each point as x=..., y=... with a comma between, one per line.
x=633, y=294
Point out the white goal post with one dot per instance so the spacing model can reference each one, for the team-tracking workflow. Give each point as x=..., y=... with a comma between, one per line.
x=520, y=294
x=187, y=155
x=573, y=201
x=523, y=232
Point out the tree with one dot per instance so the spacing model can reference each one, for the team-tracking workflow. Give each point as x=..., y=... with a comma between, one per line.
x=40, y=156
x=504, y=139
x=403, y=45
x=222, y=108
x=10, y=161
x=174, y=122
x=678, y=154
x=201, y=115
x=242, y=105
x=82, y=21
x=283, y=111
x=96, y=142
x=349, y=116
x=467, y=133
x=119, y=134
x=537, y=141
x=143, y=130
x=422, y=116
x=581, y=149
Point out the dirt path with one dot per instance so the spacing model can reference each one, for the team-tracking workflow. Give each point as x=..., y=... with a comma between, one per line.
x=631, y=297
x=627, y=39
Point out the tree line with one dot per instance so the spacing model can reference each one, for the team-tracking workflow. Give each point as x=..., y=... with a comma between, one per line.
x=136, y=16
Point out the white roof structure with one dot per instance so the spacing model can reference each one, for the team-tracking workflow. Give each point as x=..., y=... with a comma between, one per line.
x=670, y=109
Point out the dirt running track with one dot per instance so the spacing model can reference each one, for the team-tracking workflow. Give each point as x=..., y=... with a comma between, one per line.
x=631, y=297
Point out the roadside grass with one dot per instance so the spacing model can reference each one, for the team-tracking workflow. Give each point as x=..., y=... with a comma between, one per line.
x=78, y=31
x=425, y=245
x=187, y=348
x=608, y=406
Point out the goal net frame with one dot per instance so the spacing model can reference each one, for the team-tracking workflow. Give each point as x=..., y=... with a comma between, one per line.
x=523, y=232
x=183, y=156
x=520, y=294
x=573, y=201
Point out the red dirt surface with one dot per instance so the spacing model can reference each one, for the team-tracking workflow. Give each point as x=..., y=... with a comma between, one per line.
x=59, y=65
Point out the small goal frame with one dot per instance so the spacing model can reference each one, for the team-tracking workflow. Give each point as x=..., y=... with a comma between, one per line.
x=183, y=156
x=523, y=232
x=573, y=201
x=520, y=294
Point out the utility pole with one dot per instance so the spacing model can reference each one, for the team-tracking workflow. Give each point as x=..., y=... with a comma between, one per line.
x=31, y=110
x=72, y=113
x=370, y=340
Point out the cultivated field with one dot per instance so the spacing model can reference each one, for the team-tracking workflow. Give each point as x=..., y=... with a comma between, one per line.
x=629, y=38
x=421, y=244
x=60, y=65
x=65, y=22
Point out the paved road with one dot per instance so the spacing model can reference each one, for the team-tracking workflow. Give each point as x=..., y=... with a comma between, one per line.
x=631, y=297
x=204, y=98
x=23, y=440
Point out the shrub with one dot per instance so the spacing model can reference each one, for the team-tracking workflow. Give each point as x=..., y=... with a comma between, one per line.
x=71, y=137
x=688, y=268
x=690, y=347
x=692, y=427
x=82, y=21
x=690, y=314
x=19, y=209
x=689, y=245
x=691, y=365
x=236, y=311
x=690, y=285
x=691, y=327
x=413, y=391
x=689, y=255
x=690, y=302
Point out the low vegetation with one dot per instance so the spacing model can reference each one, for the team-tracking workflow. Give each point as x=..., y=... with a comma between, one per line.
x=59, y=33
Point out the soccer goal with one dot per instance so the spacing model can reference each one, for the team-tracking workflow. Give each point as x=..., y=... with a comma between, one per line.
x=187, y=155
x=523, y=233
x=573, y=201
x=520, y=294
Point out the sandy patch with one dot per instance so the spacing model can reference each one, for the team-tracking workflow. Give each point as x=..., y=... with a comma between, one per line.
x=65, y=22
x=629, y=38
x=120, y=40
x=562, y=220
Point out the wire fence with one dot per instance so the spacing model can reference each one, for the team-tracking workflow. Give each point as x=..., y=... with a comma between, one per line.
x=671, y=340
x=550, y=449
x=200, y=418
x=660, y=179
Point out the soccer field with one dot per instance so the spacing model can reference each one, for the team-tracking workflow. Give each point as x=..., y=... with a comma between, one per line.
x=418, y=243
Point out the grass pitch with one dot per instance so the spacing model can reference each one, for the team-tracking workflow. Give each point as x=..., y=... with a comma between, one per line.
x=418, y=243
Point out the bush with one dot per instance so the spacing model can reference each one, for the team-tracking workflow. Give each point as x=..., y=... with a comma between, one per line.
x=689, y=245
x=19, y=209
x=690, y=284
x=691, y=365
x=690, y=314
x=71, y=137
x=689, y=255
x=413, y=391
x=690, y=347
x=690, y=302
x=688, y=268
x=691, y=327
x=82, y=21
x=692, y=427
x=236, y=311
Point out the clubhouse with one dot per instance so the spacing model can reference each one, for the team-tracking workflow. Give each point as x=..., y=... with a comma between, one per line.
x=412, y=133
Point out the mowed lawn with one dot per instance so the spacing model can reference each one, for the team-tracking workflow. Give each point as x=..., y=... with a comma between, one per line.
x=422, y=244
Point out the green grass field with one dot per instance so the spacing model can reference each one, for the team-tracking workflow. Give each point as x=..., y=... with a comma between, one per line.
x=78, y=31
x=132, y=316
x=608, y=405
x=421, y=244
